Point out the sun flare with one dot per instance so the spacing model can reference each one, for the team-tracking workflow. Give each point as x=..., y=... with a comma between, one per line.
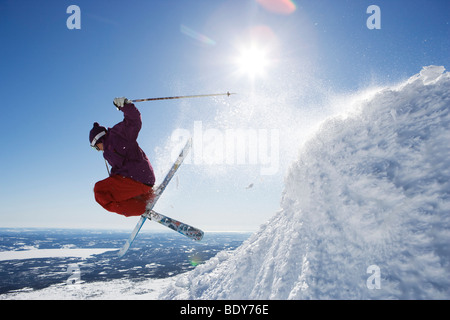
x=253, y=62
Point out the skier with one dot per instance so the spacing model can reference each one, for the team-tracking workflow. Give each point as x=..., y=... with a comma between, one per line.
x=129, y=187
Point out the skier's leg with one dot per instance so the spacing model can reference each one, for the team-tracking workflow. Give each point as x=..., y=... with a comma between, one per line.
x=122, y=195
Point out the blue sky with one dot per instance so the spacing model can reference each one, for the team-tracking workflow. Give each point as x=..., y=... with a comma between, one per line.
x=56, y=82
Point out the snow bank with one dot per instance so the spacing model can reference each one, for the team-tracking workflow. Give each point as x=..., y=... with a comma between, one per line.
x=365, y=211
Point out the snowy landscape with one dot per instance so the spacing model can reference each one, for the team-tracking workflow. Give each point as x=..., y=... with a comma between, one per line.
x=364, y=213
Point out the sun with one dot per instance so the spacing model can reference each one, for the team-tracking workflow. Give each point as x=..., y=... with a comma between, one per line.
x=252, y=62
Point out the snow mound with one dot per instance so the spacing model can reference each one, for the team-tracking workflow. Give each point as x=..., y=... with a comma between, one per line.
x=365, y=211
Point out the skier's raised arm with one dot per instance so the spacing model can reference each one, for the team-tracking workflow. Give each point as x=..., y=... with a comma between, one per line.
x=132, y=116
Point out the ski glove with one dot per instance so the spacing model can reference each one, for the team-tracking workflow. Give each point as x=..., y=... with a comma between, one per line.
x=120, y=102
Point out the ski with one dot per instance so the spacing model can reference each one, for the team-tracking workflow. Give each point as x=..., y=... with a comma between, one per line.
x=157, y=192
x=178, y=226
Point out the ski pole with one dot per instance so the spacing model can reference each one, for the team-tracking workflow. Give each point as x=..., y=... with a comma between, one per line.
x=182, y=97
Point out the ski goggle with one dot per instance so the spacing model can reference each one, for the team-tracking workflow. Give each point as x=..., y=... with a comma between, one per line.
x=96, y=138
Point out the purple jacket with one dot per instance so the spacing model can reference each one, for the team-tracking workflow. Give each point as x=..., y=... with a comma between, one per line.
x=122, y=151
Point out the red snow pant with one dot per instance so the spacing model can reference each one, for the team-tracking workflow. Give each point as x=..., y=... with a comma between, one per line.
x=123, y=195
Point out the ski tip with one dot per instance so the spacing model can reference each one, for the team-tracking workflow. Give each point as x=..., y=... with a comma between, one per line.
x=199, y=236
x=124, y=249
